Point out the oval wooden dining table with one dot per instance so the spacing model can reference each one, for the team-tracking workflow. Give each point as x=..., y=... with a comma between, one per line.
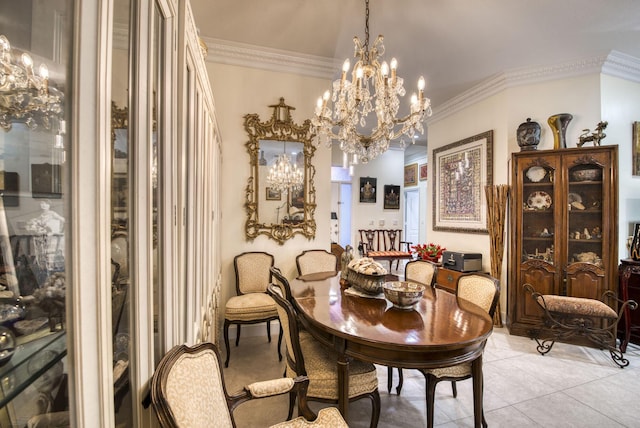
x=442, y=330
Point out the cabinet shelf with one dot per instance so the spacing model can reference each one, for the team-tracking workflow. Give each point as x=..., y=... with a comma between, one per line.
x=17, y=369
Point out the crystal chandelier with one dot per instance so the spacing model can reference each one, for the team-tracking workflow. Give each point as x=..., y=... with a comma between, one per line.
x=374, y=87
x=26, y=96
x=284, y=175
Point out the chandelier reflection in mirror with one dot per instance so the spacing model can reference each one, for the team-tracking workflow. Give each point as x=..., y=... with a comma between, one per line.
x=27, y=97
x=284, y=175
x=374, y=87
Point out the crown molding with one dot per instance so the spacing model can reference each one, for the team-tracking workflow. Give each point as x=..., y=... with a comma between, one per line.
x=246, y=55
x=614, y=64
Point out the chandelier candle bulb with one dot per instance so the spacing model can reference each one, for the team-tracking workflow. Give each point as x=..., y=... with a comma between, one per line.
x=394, y=68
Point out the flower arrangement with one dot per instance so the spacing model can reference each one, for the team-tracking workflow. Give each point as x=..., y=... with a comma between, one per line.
x=428, y=251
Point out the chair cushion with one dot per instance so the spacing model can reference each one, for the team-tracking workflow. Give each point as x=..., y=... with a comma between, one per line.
x=327, y=417
x=394, y=254
x=322, y=371
x=249, y=307
x=577, y=306
x=458, y=371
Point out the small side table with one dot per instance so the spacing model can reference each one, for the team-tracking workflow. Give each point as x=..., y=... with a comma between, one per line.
x=629, y=284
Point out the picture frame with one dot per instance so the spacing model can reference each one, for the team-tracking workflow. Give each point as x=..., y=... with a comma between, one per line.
x=46, y=181
x=10, y=188
x=272, y=194
x=391, y=197
x=424, y=171
x=411, y=175
x=297, y=197
x=368, y=190
x=461, y=171
x=636, y=149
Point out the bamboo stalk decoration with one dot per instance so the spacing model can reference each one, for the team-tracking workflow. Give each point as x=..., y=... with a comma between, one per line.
x=497, y=197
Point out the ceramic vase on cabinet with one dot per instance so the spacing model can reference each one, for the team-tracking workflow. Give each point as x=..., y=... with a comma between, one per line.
x=558, y=124
x=528, y=135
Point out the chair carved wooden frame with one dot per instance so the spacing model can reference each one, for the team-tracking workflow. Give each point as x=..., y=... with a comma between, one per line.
x=239, y=322
x=566, y=317
x=385, y=244
x=198, y=370
x=281, y=293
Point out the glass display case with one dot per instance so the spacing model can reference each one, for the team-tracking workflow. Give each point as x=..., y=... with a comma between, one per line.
x=564, y=228
x=35, y=119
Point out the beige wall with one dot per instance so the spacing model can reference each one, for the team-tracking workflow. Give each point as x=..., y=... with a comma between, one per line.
x=238, y=91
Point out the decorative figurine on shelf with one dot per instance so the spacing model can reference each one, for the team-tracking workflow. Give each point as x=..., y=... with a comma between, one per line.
x=595, y=136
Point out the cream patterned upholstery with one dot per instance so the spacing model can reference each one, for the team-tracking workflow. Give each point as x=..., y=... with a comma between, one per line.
x=188, y=390
x=482, y=290
x=311, y=261
x=421, y=271
x=308, y=357
x=328, y=417
x=252, y=304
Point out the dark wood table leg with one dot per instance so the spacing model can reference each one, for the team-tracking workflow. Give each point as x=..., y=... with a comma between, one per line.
x=476, y=370
x=343, y=385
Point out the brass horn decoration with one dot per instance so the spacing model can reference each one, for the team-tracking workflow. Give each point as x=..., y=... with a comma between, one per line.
x=280, y=207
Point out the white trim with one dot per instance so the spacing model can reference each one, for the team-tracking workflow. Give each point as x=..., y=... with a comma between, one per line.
x=90, y=351
x=235, y=53
x=614, y=64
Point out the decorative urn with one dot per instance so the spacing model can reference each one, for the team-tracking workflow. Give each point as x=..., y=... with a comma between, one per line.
x=528, y=135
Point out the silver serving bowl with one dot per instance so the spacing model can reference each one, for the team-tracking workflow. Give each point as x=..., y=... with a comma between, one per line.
x=403, y=295
x=586, y=174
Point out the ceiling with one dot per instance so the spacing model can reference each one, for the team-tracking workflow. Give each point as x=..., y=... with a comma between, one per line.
x=455, y=44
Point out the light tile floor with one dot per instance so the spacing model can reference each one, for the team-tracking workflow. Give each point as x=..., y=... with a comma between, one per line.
x=571, y=386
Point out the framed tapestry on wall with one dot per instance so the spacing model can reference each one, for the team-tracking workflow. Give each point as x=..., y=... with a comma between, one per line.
x=460, y=172
x=391, y=197
x=368, y=189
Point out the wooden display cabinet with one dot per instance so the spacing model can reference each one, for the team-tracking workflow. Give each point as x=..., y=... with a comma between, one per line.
x=563, y=228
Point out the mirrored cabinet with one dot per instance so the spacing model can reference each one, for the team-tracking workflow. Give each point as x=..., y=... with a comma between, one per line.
x=563, y=228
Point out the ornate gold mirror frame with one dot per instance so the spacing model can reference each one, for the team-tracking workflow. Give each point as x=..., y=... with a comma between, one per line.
x=297, y=218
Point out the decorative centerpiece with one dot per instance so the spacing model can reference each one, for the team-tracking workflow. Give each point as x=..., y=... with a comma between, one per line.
x=431, y=251
x=403, y=295
x=366, y=275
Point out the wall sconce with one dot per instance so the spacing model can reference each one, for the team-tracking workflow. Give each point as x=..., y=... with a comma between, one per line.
x=27, y=97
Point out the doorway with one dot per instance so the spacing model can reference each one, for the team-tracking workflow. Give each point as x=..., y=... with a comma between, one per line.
x=412, y=216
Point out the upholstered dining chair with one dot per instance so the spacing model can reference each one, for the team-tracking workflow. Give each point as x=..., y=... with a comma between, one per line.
x=252, y=304
x=482, y=290
x=424, y=272
x=188, y=390
x=311, y=261
x=305, y=356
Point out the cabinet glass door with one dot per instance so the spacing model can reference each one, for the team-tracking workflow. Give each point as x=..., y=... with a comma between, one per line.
x=35, y=107
x=584, y=205
x=539, y=208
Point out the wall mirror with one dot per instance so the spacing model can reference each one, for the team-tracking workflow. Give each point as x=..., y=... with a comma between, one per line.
x=280, y=193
